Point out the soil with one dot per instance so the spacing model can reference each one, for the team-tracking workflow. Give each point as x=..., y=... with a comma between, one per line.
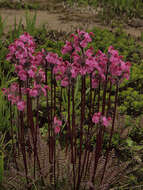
x=60, y=17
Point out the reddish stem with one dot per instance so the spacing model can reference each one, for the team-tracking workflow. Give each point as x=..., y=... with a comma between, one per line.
x=81, y=129
x=112, y=130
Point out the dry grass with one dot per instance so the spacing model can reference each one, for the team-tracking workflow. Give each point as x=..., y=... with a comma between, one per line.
x=16, y=179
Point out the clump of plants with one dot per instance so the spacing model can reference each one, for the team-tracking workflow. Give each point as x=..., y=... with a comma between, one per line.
x=74, y=94
x=18, y=5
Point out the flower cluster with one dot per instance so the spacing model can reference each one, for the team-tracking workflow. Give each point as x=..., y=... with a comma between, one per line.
x=81, y=63
x=12, y=94
x=30, y=66
x=99, y=119
x=27, y=68
x=20, y=52
x=94, y=70
x=118, y=68
x=57, y=125
x=84, y=62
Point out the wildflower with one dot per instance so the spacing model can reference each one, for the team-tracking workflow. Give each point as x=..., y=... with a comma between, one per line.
x=57, y=124
x=118, y=68
x=57, y=129
x=22, y=75
x=31, y=73
x=98, y=118
x=67, y=48
x=106, y=121
x=21, y=105
x=33, y=92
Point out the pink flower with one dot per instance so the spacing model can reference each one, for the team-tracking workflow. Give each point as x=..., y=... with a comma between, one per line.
x=67, y=48
x=52, y=58
x=22, y=75
x=85, y=38
x=18, y=68
x=106, y=121
x=46, y=87
x=10, y=97
x=83, y=70
x=91, y=64
x=74, y=71
x=95, y=82
x=19, y=44
x=8, y=57
x=84, y=43
x=57, y=129
x=14, y=87
x=31, y=73
x=81, y=40
x=12, y=48
x=26, y=38
x=57, y=124
x=118, y=68
x=22, y=49
x=89, y=52
x=21, y=105
x=33, y=92
x=19, y=55
x=96, y=117
x=44, y=91
x=64, y=82
x=38, y=58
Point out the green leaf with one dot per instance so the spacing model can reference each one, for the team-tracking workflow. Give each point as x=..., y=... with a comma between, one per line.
x=129, y=142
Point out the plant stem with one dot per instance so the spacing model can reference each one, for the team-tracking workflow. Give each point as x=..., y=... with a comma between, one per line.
x=73, y=136
x=54, y=135
x=112, y=130
x=51, y=121
x=22, y=138
x=81, y=129
x=89, y=127
x=100, y=133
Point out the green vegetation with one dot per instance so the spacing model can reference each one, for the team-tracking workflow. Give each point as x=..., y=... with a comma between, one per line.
x=18, y=5
x=115, y=8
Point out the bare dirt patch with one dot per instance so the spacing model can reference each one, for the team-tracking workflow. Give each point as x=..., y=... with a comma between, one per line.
x=61, y=18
